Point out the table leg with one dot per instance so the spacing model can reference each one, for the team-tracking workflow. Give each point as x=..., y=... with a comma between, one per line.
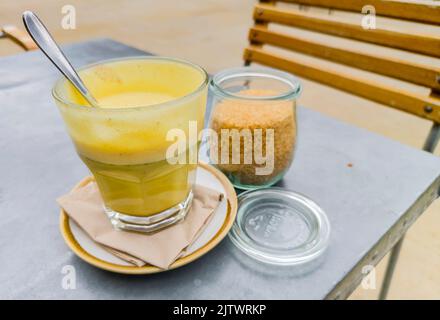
x=430, y=144
x=394, y=256
x=432, y=139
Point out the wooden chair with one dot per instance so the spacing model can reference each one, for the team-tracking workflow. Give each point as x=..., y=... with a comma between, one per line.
x=18, y=36
x=289, y=14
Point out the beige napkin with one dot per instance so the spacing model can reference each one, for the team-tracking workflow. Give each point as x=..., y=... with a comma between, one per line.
x=84, y=205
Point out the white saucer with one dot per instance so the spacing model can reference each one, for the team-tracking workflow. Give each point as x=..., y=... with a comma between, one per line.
x=214, y=232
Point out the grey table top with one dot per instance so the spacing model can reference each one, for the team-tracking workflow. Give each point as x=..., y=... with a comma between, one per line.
x=387, y=187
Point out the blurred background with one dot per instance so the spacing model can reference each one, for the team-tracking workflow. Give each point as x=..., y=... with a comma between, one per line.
x=213, y=33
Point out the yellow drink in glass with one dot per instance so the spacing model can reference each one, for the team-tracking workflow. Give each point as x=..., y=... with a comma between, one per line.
x=124, y=141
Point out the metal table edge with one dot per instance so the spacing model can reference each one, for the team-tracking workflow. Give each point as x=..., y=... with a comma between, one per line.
x=353, y=278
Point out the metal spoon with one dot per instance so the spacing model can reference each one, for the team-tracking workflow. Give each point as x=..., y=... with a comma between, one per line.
x=47, y=44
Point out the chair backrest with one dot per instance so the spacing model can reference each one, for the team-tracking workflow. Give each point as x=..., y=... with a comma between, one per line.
x=288, y=14
x=18, y=36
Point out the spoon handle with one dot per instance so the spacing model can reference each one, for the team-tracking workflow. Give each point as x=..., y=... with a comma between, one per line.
x=47, y=44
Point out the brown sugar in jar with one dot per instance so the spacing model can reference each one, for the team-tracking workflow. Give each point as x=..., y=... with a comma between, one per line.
x=255, y=132
x=264, y=115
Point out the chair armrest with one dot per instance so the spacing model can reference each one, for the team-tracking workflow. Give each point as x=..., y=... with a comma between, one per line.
x=20, y=37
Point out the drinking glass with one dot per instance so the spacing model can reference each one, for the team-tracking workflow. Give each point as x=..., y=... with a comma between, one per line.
x=126, y=141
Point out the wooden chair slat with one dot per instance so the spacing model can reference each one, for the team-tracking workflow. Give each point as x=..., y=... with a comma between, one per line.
x=420, y=12
x=396, y=68
x=423, y=44
x=422, y=106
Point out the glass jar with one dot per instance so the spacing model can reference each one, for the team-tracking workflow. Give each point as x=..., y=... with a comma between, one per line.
x=252, y=125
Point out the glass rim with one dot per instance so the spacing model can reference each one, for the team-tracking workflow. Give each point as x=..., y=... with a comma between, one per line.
x=71, y=104
x=292, y=81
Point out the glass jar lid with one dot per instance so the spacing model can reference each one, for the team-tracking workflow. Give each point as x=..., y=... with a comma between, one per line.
x=279, y=226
